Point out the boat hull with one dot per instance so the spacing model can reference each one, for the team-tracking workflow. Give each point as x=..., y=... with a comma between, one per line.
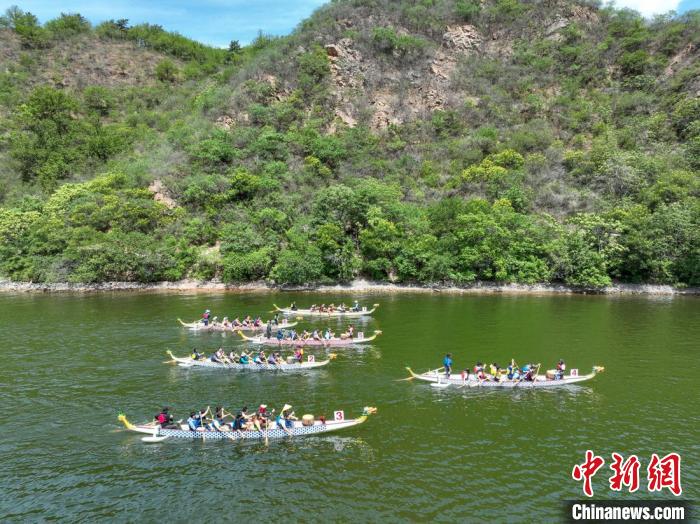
x=199, y=326
x=187, y=362
x=439, y=377
x=298, y=430
x=318, y=314
x=336, y=342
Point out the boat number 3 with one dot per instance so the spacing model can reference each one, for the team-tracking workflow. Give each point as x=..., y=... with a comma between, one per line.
x=339, y=416
x=311, y=358
x=574, y=372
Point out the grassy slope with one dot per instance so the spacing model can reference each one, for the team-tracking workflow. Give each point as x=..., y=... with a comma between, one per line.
x=565, y=147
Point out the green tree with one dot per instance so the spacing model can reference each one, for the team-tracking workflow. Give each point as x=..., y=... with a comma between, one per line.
x=167, y=71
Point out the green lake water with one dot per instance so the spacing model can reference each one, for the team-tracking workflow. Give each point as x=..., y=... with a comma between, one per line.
x=71, y=362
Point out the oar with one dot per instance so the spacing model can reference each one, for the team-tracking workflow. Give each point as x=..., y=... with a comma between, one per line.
x=257, y=425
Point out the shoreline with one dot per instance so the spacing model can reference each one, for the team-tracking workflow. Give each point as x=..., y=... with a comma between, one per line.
x=357, y=286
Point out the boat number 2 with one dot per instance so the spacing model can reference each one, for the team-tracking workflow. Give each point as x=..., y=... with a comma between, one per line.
x=339, y=416
x=311, y=358
x=574, y=372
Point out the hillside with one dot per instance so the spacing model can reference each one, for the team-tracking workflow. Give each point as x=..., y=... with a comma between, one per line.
x=426, y=141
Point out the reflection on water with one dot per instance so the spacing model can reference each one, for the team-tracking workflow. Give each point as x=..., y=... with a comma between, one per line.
x=443, y=454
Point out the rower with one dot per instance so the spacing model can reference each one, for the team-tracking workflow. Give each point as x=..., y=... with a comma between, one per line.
x=216, y=357
x=218, y=419
x=163, y=417
x=280, y=336
x=351, y=330
x=285, y=420
x=241, y=418
x=271, y=359
x=561, y=368
x=203, y=418
x=316, y=335
x=205, y=317
x=299, y=354
x=293, y=307
x=268, y=330
x=447, y=364
x=245, y=358
x=495, y=372
x=193, y=422
x=327, y=334
x=259, y=358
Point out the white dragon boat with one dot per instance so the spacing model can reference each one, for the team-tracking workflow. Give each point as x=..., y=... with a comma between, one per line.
x=438, y=378
x=310, y=363
x=219, y=326
x=298, y=429
x=347, y=313
x=360, y=338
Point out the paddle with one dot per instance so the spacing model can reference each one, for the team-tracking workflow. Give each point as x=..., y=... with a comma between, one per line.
x=257, y=425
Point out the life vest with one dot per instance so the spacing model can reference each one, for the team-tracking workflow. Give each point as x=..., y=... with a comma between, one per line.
x=162, y=418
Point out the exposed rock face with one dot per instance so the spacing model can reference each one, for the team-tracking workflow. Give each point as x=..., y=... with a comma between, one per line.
x=458, y=41
x=425, y=87
x=680, y=59
x=347, y=73
x=160, y=194
x=225, y=122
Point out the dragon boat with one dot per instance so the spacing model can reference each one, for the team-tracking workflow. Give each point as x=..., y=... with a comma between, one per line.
x=311, y=363
x=333, y=342
x=438, y=378
x=299, y=428
x=219, y=326
x=347, y=313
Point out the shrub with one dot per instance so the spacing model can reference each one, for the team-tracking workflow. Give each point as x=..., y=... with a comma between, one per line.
x=387, y=40
x=68, y=25
x=467, y=10
x=167, y=71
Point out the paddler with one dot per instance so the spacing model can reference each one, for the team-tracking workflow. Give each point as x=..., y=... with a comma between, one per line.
x=163, y=417
x=495, y=372
x=447, y=364
x=205, y=317
x=293, y=307
x=196, y=355
x=299, y=354
x=561, y=368
x=193, y=421
x=268, y=330
x=285, y=420
x=241, y=419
